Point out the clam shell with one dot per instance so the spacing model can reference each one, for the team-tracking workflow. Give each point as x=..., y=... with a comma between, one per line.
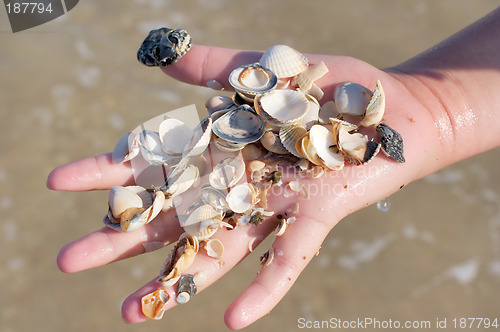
x=242, y=198
x=153, y=304
x=306, y=78
x=283, y=107
x=123, y=198
x=214, y=197
x=174, y=136
x=214, y=248
x=323, y=140
x=312, y=116
x=251, y=80
x=240, y=126
x=180, y=179
x=226, y=146
x=152, y=151
x=271, y=141
x=376, y=107
x=351, y=98
x=284, y=61
x=327, y=111
x=217, y=103
x=307, y=150
x=127, y=148
x=139, y=220
x=200, y=138
x=227, y=173
x=289, y=136
x=200, y=221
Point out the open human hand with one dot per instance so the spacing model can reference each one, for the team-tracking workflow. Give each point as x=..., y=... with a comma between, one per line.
x=412, y=108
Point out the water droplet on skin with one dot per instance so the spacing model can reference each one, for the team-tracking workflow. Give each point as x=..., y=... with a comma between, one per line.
x=383, y=205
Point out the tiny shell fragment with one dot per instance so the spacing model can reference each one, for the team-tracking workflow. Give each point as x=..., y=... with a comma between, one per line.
x=299, y=187
x=183, y=298
x=153, y=304
x=214, y=248
x=267, y=257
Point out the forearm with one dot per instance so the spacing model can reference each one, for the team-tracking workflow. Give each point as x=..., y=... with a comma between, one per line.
x=458, y=82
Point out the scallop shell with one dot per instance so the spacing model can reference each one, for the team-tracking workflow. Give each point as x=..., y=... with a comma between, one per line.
x=289, y=136
x=240, y=126
x=306, y=78
x=242, y=198
x=200, y=221
x=323, y=140
x=351, y=98
x=284, y=61
x=227, y=173
x=200, y=138
x=153, y=304
x=271, y=141
x=251, y=80
x=127, y=148
x=174, y=136
x=214, y=248
x=283, y=107
x=376, y=107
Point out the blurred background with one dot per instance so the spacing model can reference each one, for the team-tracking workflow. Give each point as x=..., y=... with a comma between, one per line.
x=70, y=88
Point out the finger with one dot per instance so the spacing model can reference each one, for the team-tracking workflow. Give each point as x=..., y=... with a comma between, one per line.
x=236, y=243
x=205, y=63
x=107, y=245
x=292, y=252
x=91, y=173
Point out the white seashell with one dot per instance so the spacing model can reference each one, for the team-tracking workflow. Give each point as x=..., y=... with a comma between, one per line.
x=300, y=188
x=281, y=228
x=338, y=123
x=215, y=85
x=139, y=220
x=376, y=107
x=351, y=98
x=227, y=173
x=123, y=198
x=356, y=147
x=199, y=221
x=200, y=138
x=227, y=146
x=252, y=241
x=315, y=91
x=242, y=198
x=284, y=61
x=240, y=126
x=251, y=80
x=307, y=150
x=323, y=141
x=174, y=136
x=200, y=278
x=289, y=136
x=127, y=148
x=214, y=197
x=180, y=179
x=267, y=257
x=271, y=141
x=327, y=111
x=302, y=163
x=183, y=297
x=214, y=248
x=306, y=79
x=312, y=115
x=283, y=106
x=256, y=165
x=217, y=103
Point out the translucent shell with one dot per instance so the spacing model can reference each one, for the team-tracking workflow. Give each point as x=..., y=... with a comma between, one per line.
x=282, y=107
x=251, y=80
x=240, y=126
x=214, y=197
x=174, y=135
x=153, y=304
x=351, y=98
x=324, y=143
x=284, y=61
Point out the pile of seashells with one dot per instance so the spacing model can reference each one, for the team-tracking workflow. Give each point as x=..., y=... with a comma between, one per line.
x=275, y=110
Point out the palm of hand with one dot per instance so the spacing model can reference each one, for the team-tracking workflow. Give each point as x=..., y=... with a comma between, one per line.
x=338, y=193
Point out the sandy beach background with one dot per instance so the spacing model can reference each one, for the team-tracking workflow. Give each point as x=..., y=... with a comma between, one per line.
x=71, y=87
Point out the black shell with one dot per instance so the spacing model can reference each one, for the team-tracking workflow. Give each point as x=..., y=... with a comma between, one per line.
x=163, y=47
x=392, y=142
x=186, y=284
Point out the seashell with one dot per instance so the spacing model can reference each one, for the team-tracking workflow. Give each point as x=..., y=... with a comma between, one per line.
x=135, y=221
x=214, y=248
x=200, y=278
x=215, y=85
x=337, y=123
x=306, y=78
x=284, y=61
x=327, y=111
x=392, y=142
x=315, y=91
x=214, y=197
x=124, y=198
x=252, y=241
x=263, y=188
x=163, y=47
x=376, y=107
x=251, y=80
x=200, y=138
x=302, y=164
x=307, y=150
x=289, y=136
x=267, y=257
x=180, y=179
x=351, y=98
x=251, y=152
x=240, y=126
x=242, y=198
x=174, y=136
x=282, y=107
x=312, y=115
x=281, y=228
x=186, y=285
x=199, y=222
x=217, y=103
x=227, y=173
x=127, y=148
x=226, y=146
x=183, y=298
x=323, y=140
x=272, y=143
x=153, y=304
x=356, y=147
x=256, y=165
x=300, y=188
x=180, y=259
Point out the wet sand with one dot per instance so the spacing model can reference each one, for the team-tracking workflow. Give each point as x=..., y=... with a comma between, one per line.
x=71, y=87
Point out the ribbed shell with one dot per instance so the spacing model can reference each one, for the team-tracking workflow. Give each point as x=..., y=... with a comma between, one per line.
x=284, y=61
